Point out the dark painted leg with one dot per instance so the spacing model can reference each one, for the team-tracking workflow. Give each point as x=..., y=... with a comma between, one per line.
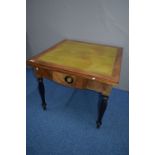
x=42, y=92
x=101, y=109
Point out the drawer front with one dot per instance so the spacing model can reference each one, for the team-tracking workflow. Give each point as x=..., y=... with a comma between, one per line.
x=77, y=82
x=73, y=81
x=68, y=80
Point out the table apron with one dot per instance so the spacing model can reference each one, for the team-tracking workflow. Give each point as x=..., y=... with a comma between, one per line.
x=77, y=81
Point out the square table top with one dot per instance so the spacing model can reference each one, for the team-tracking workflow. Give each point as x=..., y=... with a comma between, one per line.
x=97, y=60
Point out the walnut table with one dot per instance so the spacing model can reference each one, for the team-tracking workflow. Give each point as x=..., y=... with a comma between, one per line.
x=80, y=65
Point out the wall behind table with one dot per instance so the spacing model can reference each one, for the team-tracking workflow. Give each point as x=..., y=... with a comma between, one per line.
x=100, y=21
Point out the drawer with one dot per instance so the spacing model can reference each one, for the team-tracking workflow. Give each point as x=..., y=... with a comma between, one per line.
x=73, y=81
x=68, y=79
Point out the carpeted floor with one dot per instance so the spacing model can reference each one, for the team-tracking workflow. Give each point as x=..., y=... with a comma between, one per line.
x=68, y=126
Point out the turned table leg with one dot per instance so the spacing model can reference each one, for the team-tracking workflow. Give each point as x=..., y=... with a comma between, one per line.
x=42, y=92
x=101, y=109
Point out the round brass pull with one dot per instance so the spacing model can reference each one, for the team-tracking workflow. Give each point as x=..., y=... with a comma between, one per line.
x=69, y=79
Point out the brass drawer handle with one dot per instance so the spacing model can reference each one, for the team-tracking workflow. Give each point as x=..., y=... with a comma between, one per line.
x=69, y=79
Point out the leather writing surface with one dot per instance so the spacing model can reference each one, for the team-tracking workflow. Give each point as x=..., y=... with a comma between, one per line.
x=93, y=58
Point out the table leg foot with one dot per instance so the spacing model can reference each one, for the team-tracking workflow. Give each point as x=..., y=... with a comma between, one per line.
x=101, y=109
x=42, y=92
x=44, y=106
x=98, y=124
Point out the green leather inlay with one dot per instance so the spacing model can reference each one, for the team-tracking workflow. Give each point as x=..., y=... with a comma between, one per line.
x=87, y=57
